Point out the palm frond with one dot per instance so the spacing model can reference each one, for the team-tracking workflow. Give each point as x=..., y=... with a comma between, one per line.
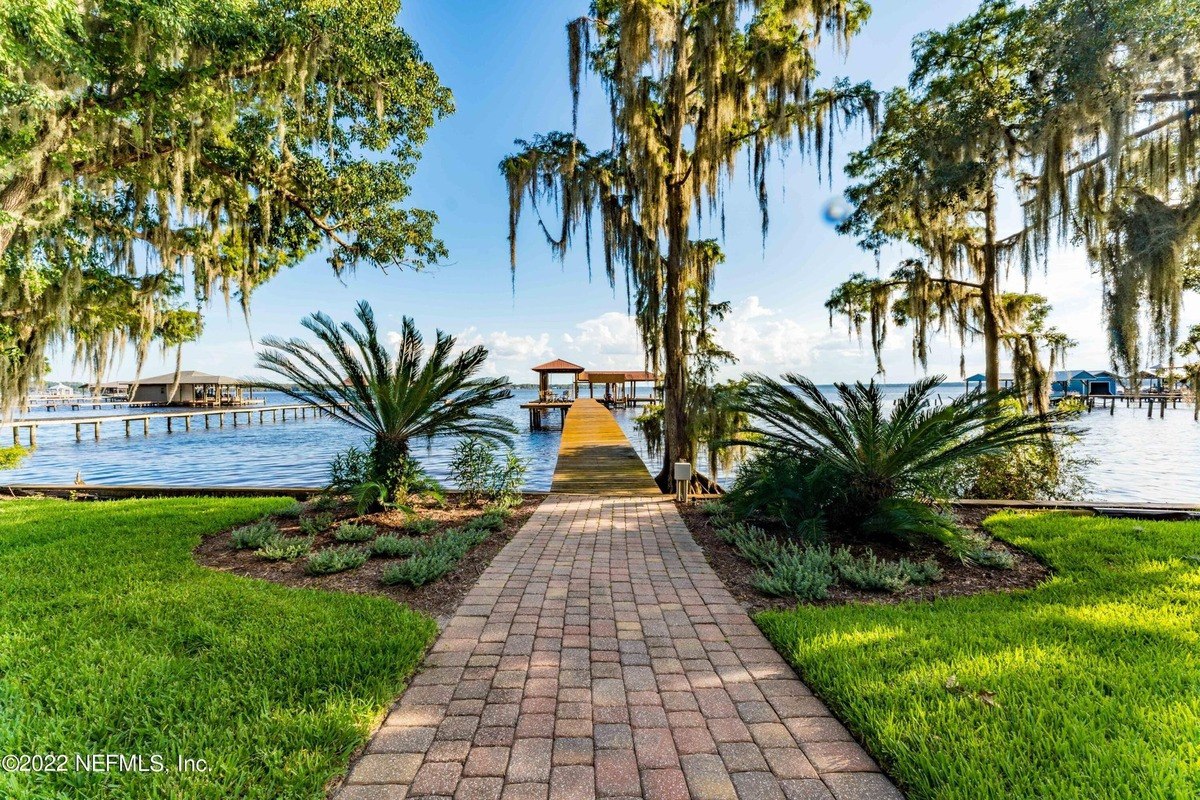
x=393, y=397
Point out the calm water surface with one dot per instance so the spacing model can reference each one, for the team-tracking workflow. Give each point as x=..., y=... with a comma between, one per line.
x=1137, y=459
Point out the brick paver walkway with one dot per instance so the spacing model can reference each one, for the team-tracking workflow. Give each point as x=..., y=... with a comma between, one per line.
x=600, y=656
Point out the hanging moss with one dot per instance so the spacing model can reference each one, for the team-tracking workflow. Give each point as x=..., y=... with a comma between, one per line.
x=194, y=155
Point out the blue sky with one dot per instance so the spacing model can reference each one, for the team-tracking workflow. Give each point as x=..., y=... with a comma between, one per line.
x=506, y=64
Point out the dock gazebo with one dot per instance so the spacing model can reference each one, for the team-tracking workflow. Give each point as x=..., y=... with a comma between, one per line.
x=621, y=386
x=556, y=367
x=194, y=389
x=547, y=400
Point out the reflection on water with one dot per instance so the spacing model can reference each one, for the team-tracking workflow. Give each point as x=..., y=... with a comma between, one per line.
x=1137, y=459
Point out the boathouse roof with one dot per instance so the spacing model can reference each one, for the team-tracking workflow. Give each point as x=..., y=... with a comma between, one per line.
x=558, y=365
x=189, y=376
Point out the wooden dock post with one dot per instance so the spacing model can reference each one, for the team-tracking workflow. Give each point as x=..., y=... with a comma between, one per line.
x=168, y=423
x=96, y=429
x=33, y=435
x=126, y=429
x=187, y=422
x=16, y=436
x=145, y=426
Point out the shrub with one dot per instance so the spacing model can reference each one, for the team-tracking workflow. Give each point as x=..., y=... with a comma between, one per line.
x=458, y=541
x=432, y=558
x=409, y=479
x=871, y=573
x=785, y=569
x=349, y=468
x=478, y=474
x=335, y=559
x=420, y=526
x=418, y=570
x=492, y=520
x=509, y=480
x=292, y=511
x=862, y=463
x=471, y=467
x=253, y=536
x=354, y=532
x=921, y=573
x=318, y=523
x=983, y=555
x=323, y=502
x=285, y=548
x=368, y=495
x=779, y=487
x=395, y=546
x=803, y=573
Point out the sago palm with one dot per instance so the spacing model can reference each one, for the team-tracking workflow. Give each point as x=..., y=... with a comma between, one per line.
x=875, y=460
x=394, y=398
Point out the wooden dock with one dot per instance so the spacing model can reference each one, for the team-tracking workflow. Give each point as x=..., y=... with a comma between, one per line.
x=277, y=413
x=595, y=456
x=539, y=410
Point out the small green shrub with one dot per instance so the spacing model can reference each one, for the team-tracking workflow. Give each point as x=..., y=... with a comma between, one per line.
x=318, y=523
x=253, y=536
x=420, y=526
x=493, y=520
x=983, y=555
x=458, y=541
x=292, y=511
x=395, y=546
x=349, y=468
x=285, y=548
x=921, y=573
x=432, y=558
x=871, y=573
x=323, y=502
x=418, y=570
x=478, y=474
x=335, y=559
x=508, y=481
x=354, y=532
x=803, y=573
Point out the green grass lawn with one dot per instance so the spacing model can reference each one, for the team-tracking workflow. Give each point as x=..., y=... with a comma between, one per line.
x=1095, y=674
x=113, y=641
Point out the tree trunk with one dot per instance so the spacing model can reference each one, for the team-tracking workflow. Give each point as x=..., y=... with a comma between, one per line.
x=990, y=298
x=13, y=199
x=676, y=445
x=388, y=457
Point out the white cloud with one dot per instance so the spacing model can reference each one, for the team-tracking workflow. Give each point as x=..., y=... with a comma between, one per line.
x=507, y=353
x=610, y=334
x=766, y=340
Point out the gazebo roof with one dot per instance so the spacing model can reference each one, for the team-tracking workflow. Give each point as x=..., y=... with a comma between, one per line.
x=189, y=376
x=617, y=375
x=558, y=365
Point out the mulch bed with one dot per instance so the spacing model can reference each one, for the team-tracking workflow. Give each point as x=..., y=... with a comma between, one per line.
x=960, y=579
x=438, y=598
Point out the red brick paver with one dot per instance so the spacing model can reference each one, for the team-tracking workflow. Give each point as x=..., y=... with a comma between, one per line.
x=600, y=656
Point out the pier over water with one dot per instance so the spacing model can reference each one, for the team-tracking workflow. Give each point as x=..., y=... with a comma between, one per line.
x=595, y=457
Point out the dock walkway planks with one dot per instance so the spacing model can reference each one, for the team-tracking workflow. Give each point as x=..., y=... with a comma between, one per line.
x=595, y=457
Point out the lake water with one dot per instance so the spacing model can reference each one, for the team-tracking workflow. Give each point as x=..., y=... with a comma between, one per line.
x=1137, y=459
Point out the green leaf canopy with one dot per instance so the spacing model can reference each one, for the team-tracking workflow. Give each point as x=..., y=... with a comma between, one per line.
x=154, y=148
